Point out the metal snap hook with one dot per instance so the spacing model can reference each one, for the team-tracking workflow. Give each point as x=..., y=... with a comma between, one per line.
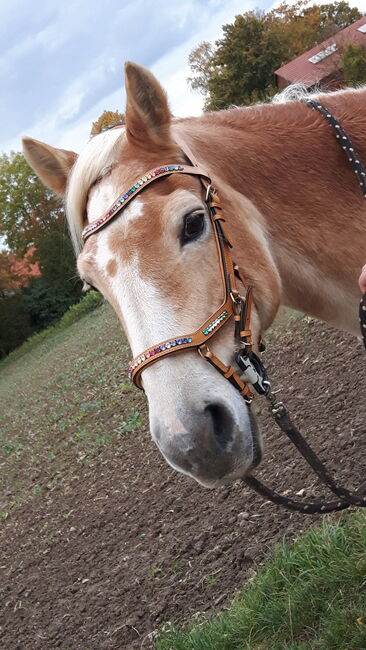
x=209, y=189
x=236, y=299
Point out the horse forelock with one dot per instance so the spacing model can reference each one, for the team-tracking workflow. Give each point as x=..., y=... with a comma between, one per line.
x=97, y=156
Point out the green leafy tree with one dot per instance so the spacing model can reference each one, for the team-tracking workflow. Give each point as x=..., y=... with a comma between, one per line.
x=295, y=27
x=244, y=60
x=239, y=68
x=106, y=120
x=32, y=221
x=27, y=208
x=354, y=64
x=201, y=64
x=43, y=305
x=57, y=261
x=333, y=17
x=31, y=216
x=15, y=323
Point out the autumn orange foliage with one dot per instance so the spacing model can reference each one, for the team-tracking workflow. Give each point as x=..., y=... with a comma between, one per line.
x=17, y=273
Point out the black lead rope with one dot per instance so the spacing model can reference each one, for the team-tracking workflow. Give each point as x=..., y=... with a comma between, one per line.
x=344, y=142
x=362, y=313
x=280, y=412
x=357, y=166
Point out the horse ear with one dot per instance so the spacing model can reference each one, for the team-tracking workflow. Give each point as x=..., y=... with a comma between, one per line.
x=51, y=165
x=147, y=112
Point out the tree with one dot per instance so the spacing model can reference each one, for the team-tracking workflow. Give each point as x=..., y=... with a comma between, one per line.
x=8, y=283
x=200, y=62
x=15, y=325
x=33, y=218
x=333, y=17
x=17, y=273
x=57, y=261
x=239, y=68
x=27, y=208
x=106, y=120
x=295, y=27
x=38, y=280
x=43, y=305
x=354, y=64
x=243, y=61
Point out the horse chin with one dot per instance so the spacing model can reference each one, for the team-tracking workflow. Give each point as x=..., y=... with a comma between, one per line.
x=211, y=435
x=239, y=474
x=240, y=471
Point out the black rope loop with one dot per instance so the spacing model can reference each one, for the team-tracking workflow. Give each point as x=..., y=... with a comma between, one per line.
x=346, y=497
x=313, y=508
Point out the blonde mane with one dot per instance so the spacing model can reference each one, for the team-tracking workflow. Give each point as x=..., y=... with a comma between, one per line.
x=297, y=92
x=100, y=152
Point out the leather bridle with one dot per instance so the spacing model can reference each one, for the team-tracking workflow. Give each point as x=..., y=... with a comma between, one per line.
x=237, y=308
x=234, y=307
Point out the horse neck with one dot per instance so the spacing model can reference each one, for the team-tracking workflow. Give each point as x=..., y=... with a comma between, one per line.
x=285, y=159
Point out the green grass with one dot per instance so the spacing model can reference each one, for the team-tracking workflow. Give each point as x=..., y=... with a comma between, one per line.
x=312, y=596
x=62, y=402
x=88, y=303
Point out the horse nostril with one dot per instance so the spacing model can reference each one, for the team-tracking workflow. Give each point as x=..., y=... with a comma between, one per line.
x=222, y=424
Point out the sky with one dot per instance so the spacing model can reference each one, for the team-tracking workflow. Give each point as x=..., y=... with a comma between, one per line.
x=61, y=63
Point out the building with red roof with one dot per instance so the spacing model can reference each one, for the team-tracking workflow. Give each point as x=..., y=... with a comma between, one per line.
x=321, y=66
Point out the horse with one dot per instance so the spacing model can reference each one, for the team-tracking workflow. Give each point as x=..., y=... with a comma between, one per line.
x=298, y=232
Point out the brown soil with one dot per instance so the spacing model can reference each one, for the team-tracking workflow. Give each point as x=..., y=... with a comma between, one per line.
x=127, y=544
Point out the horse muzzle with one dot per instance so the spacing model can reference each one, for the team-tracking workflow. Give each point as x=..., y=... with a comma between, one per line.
x=210, y=446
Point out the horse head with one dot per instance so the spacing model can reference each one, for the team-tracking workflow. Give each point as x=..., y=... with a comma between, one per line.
x=157, y=265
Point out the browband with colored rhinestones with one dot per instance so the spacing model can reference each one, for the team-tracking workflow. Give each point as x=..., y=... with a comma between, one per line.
x=126, y=196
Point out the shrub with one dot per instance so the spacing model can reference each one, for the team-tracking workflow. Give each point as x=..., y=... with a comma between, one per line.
x=88, y=303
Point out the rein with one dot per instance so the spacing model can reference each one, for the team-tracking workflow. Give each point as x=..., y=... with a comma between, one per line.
x=238, y=308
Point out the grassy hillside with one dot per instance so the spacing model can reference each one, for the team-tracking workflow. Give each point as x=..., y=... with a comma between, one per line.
x=55, y=401
x=82, y=497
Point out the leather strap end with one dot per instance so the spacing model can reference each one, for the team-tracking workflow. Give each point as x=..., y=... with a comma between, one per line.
x=247, y=334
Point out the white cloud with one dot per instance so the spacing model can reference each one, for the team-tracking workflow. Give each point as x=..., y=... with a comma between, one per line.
x=66, y=65
x=64, y=121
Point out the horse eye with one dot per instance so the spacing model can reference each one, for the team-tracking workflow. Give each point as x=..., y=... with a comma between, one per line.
x=193, y=226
